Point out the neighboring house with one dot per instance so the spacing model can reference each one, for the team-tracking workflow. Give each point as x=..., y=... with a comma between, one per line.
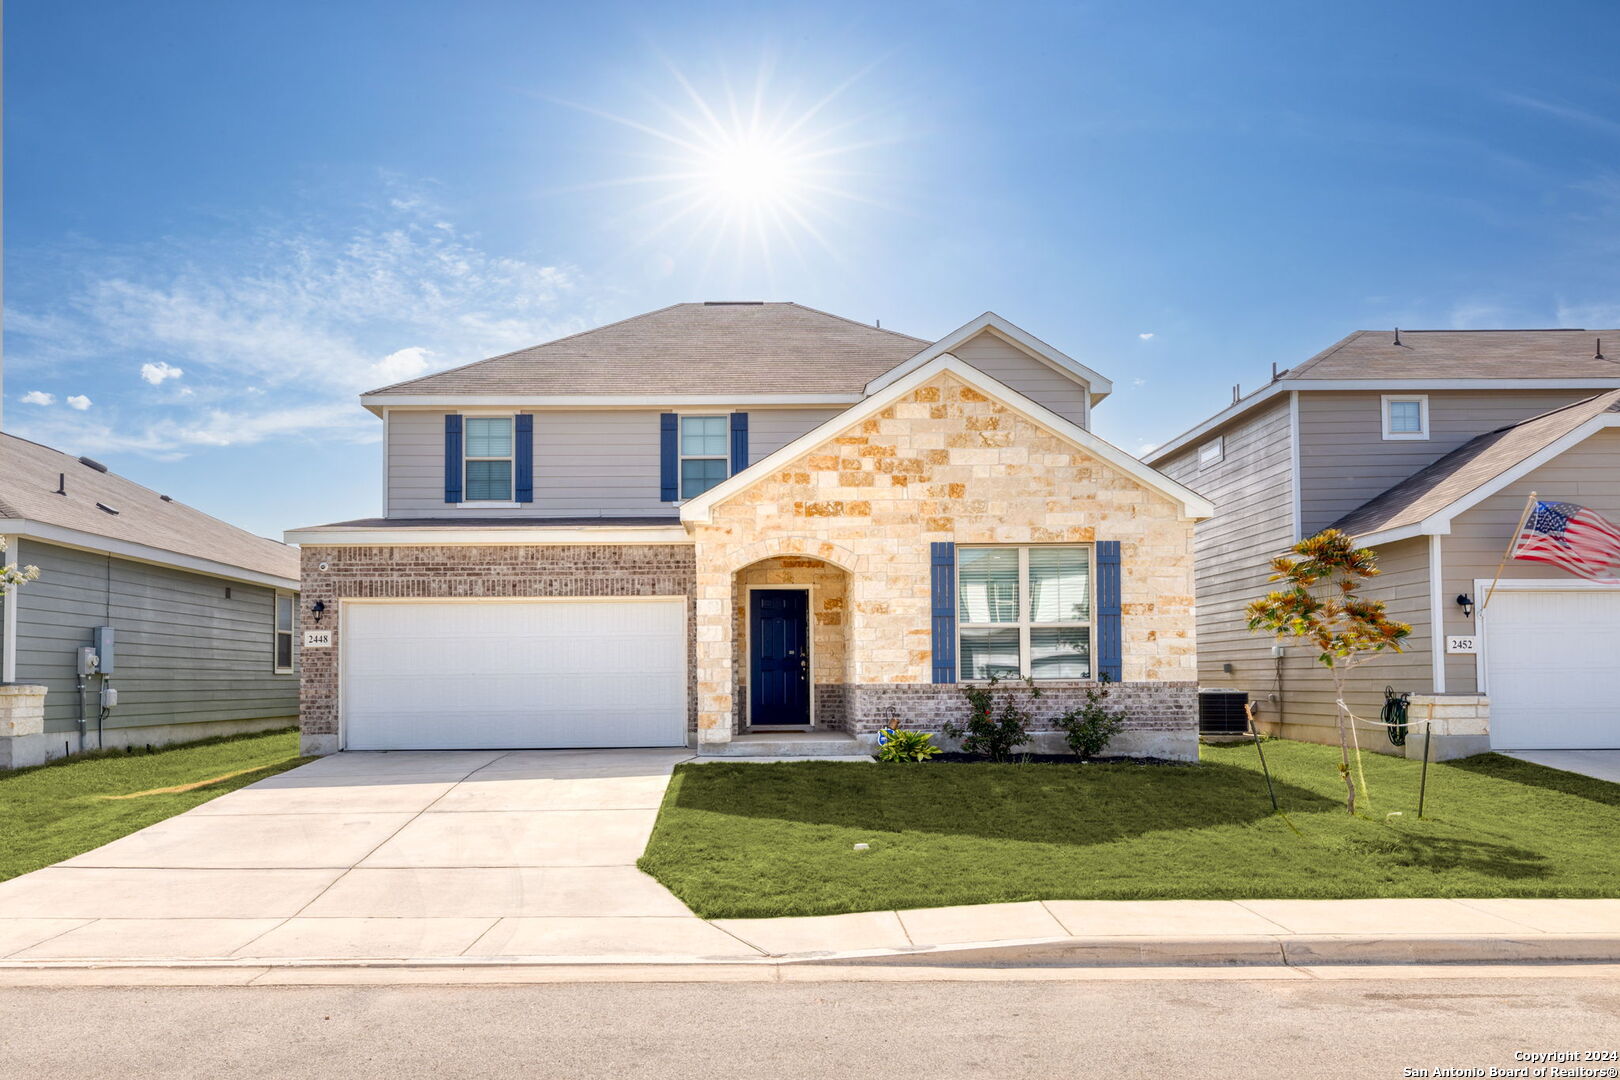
x=193, y=617
x=729, y=519
x=1424, y=447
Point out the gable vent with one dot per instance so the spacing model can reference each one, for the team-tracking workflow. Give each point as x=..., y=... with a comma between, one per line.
x=93, y=463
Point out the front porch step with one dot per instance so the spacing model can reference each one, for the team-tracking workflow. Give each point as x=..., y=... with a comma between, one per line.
x=834, y=745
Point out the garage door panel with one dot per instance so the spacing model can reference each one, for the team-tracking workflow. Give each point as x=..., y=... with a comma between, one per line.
x=1553, y=669
x=514, y=674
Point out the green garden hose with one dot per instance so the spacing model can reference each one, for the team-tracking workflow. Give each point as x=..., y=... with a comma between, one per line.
x=1394, y=715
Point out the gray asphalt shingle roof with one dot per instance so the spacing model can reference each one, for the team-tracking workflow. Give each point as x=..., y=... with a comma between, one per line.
x=1471, y=465
x=690, y=349
x=1466, y=354
x=28, y=483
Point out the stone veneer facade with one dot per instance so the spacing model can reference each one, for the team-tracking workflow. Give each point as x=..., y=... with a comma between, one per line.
x=947, y=463
x=468, y=571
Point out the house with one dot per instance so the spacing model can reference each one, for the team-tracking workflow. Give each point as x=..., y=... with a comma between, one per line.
x=189, y=619
x=725, y=521
x=1425, y=446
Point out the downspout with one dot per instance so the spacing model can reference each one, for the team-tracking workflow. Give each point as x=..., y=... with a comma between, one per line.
x=8, y=620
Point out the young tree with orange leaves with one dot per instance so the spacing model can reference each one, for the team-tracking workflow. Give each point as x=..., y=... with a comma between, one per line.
x=1319, y=604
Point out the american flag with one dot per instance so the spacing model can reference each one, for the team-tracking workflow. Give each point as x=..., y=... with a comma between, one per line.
x=1579, y=540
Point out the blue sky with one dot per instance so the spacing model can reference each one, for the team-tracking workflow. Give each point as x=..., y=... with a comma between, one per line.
x=223, y=221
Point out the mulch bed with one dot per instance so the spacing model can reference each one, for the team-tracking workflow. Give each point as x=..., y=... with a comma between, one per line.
x=1053, y=759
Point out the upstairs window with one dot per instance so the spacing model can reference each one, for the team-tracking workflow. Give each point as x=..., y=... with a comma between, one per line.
x=1024, y=611
x=488, y=458
x=1406, y=417
x=283, y=658
x=705, y=453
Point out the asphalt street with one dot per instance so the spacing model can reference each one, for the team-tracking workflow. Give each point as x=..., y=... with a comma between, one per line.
x=1116, y=1026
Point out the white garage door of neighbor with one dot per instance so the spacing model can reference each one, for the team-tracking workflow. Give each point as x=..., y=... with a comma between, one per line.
x=1553, y=669
x=506, y=675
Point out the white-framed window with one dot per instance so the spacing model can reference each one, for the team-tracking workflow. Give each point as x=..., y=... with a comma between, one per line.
x=286, y=607
x=1406, y=416
x=488, y=448
x=1212, y=451
x=1024, y=611
x=705, y=453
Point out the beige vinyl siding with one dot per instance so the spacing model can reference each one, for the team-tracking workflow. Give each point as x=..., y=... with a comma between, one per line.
x=1587, y=474
x=1344, y=459
x=1252, y=489
x=1031, y=377
x=587, y=463
x=771, y=429
x=184, y=652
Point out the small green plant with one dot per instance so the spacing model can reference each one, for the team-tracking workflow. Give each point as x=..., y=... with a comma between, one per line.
x=998, y=718
x=1090, y=728
x=897, y=744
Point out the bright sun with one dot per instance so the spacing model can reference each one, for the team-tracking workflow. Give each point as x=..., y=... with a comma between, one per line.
x=755, y=172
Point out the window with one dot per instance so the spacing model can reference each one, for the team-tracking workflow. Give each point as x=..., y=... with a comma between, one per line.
x=1024, y=611
x=704, y=454
x=1212, y=451
x=1406, y=417
x=285, y=603
x=488, y=458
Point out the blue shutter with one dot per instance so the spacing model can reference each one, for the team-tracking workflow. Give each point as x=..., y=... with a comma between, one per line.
x=942, y=578
x=523, y=460
x=1110, y=644
x=452, y=458
x=739, y=442
x=668, y=435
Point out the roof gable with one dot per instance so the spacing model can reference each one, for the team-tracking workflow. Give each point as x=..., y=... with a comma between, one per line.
x=992, y=323
x=1193, y=505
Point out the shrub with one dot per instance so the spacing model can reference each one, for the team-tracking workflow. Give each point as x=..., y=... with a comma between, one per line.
x=897, y=744
x=997, y=721
x=1089, y=728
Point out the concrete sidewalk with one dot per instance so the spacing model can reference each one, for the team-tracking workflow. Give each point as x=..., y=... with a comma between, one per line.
x=529, y=858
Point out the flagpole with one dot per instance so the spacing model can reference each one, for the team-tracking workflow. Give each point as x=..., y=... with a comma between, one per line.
x=1529, y=505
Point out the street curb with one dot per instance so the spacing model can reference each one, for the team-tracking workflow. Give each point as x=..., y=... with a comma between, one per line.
x=1280, y=953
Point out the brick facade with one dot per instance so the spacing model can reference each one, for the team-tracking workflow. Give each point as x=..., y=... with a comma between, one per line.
x=469, y=570
x=944, y=462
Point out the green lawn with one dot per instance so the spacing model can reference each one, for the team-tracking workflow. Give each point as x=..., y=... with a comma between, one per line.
x=55, y=811
x=744, y=840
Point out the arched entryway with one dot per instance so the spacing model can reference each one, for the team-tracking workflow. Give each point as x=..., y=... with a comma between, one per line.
x=790, y=621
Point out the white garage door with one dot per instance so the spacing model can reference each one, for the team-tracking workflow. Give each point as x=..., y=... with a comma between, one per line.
x=1553, y=669
x=511, y=674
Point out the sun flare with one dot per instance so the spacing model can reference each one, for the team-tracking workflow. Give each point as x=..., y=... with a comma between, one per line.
x=757, y=173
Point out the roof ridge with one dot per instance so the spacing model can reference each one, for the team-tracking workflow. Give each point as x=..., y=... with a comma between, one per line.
x=1293, y=372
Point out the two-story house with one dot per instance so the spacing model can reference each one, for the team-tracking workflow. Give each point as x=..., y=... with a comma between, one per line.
x=1425, y=446
x=719, y=520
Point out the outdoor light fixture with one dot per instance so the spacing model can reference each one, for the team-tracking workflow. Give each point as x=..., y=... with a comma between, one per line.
x=317, y=609
x=1466, y=602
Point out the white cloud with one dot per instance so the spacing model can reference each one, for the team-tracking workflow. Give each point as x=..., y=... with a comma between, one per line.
x=1146, y=448
x=1147, y=336
x=1138, y=382
x=398, y=366
x=38, y=397
x=277, y=333
x=158, y=372
x=78, y=401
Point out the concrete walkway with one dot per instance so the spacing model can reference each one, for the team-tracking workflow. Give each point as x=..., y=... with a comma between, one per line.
x=529, y=857
x=1600, y=764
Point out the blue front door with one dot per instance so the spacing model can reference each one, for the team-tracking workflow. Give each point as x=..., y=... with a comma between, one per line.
x=779, y=657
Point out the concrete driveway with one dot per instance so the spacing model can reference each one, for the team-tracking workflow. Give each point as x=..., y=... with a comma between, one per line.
x=385, y=855
x=1601, y=764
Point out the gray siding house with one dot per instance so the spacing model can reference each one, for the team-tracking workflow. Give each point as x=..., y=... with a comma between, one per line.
x=1425, y=446
x=194, y=617
x=758, y=527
